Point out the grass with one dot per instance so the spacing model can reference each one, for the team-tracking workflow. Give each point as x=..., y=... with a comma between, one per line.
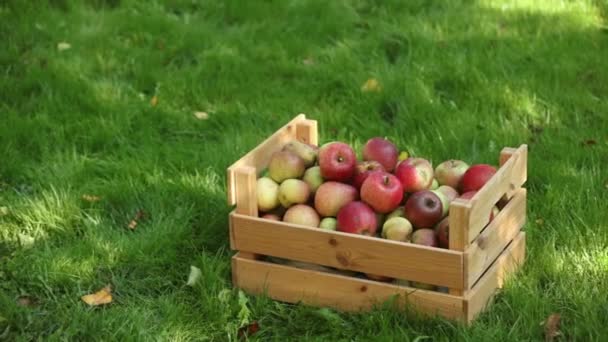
x=460, y=79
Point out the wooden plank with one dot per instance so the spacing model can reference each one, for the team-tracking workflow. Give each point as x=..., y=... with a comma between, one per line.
x=306, y=131
x=510, y=176
x=483, y=292
x=522, y=175
x=491, y=242
x=259, y=157
x=459, y=214
x=348, y=251
x=314, y=288
x=246, y=198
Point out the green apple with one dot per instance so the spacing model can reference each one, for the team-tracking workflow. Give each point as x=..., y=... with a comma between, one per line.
x=293, y=191
x=267, y=194
x=284, y=165
x=399, y=212
x=312, y=177
x=397, y=229
x=328, y=223
x=445, y=202
x=434, y=185
x=307, y=152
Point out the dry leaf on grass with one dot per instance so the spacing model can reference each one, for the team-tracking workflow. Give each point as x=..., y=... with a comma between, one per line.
x=135, y=221
x=589, y=142
x=91, y=198
x=249, y=329
x=27, y=301
x=195, y=274
x=201, y=115
x=154, y=101
x=62, y=46
x=540, y=221
x=308, y=61
x=552, y=327
x=371, y=86
x=103, y=296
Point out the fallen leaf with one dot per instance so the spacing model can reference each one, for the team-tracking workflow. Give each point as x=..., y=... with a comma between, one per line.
x=308, y=61
x=3, y=211
x=26, y=241
x=552, y=327
x=371, y=85
x=27, y=301
x=403, y=155
x=249, y=329
x=135, y=221
x=540, y=221
x=91, y=198
x=201, y=115
x=589, y=142
x=195, y=274
x=103, y=296
x=154, y=101
x=62, y=46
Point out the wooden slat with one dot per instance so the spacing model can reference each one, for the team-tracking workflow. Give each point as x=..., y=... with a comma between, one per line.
x=483, y=292
x=259, y=157
x=510, y=176
x=518, y=178
x=348, y=251
x=295, y=285
x=306, y=131
x=459, y=214
x=492, y=240
x=246, y=198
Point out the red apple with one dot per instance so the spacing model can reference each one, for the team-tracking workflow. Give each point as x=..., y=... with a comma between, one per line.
x=450, y=172
x=415, y=174
x=476, y=176
x=357, y=218
x=363, y=170
x=382, y=191
x=302, y=214
x=423, y=209
x=337, y=161
x=382, y=151
x=425, y=237
x=332, y=196
x=442, y=231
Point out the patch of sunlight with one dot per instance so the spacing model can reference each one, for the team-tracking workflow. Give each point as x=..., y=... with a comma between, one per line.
x=591, y=261
x=72, y=267
x=528, y=107
x=107, y=91
x=52, y=210
x=583, y=12
x=206, y=179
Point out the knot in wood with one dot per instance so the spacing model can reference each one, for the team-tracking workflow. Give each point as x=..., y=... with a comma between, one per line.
x=363, y=288
x=333, y=242
x=482, y=241
x=342, y=259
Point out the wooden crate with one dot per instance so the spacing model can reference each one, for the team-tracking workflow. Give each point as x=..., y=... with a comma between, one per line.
x=481, y=255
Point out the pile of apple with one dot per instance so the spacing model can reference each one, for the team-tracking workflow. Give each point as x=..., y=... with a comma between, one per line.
x=386, y=194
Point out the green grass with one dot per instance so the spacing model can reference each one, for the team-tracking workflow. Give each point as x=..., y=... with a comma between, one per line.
x=461, y=79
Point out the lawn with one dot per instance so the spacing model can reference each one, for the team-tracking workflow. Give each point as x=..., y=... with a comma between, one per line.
x=97, y=99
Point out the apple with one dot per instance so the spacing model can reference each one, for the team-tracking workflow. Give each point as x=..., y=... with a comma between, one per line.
x=312, y=177
x=399, y=212
x=425, y=237
x=302, y=214
x=267, y=192
x=476, y=176
x=403, y=155
x=337, y=161
x=397, y=229
x=328, y=223
x=450, y=192
x=273, y=217
x=382, y=191
x=379, y=221
x=442, y=231
x=307, y=152
x=332, y=196
x=423, y=209
x=364, y=169
x=293, y=191
x=382, y=151
x=434, y=184
x=357, y=218
x=284, y=165
x=445, y=202
x=415, y=174
x=450, y=172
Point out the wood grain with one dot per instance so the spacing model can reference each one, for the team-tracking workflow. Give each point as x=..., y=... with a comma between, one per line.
x=246, y=195
x=509, y=177
x=306, y=131
x=490, y=243
x=483, y=292
x=348, y=251
x=295, y=285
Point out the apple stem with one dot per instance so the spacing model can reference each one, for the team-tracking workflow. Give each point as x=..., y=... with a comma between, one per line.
x=340, y=159
x=386, y=180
